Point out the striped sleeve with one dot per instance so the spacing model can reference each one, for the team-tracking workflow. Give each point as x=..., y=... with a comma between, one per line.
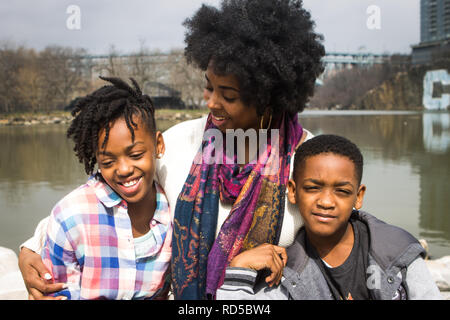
x=240, y=280
x=241, y=284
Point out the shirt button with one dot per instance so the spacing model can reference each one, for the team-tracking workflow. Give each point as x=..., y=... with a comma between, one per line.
x=390, y=279
x=294, y=284
x=153, y=223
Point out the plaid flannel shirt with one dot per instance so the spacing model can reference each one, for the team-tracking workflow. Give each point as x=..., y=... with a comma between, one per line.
x=89, y=246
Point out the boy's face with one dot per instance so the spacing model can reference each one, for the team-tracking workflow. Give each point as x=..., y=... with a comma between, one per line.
x=325, y=191
x=129, y=167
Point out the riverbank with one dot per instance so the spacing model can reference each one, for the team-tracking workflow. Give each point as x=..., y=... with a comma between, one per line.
x=12, y=286
x=60, y=117
x=178, y=115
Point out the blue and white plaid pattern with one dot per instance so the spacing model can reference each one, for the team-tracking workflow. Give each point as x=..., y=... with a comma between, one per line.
x=89, y=245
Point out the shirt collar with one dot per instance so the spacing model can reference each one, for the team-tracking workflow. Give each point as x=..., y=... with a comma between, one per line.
x=104, y=192
x=162, y=206
x=110, y=198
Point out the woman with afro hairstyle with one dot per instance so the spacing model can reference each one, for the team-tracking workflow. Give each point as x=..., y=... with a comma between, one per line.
x=261, y=59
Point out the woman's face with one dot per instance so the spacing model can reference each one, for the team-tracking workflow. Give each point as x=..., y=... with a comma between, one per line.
x=223, y=98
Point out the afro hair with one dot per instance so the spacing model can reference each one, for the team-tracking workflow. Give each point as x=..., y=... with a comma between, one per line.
x=328, y=143
x=269, y=45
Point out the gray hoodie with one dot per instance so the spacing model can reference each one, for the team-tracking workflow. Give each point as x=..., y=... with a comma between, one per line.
x=394, y=260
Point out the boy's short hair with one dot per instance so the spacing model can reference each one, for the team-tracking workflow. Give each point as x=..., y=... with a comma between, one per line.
x=328, y=143
x=99, y=109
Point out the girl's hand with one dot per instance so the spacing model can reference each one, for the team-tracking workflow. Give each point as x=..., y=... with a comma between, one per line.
x=36, y=276
x=262, y=257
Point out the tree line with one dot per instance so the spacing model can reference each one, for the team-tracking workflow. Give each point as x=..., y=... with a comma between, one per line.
x=353, y=88
x=347, y=88
x=32, y=81
x=50, y=79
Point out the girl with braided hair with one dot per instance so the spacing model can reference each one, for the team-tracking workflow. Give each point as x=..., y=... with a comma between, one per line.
x=111, y=237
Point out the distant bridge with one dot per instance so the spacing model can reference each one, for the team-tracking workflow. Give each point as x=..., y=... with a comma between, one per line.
x=332, y=60
x=337, y=61
x=354, y=58
x=160, y=62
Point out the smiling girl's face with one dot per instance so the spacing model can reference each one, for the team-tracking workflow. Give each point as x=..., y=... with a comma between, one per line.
x=128, y=166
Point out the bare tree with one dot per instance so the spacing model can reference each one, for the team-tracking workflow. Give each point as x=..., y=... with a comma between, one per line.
x=145, y=65
x=11, y=61
x=62, y=73
x=347, y=88
x=113, y=65
x=31, y=87
x=186, y=78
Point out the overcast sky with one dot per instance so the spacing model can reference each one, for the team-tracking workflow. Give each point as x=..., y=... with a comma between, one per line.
x=124, y=23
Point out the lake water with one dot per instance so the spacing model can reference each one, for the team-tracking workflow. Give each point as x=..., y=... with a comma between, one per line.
x=407, y=171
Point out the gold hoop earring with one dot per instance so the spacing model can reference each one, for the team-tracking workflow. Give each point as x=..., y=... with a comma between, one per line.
x=262, y=122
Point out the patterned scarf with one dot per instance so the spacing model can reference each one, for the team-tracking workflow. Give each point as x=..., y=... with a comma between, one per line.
x=257, y=194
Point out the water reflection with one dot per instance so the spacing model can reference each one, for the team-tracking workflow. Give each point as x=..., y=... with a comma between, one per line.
x=407, y=171
x=436, y=132
x=389, y=136
x=37, y=153
x=435, y=174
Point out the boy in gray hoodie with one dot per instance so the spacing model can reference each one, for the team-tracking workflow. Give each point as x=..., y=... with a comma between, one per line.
x=341, y=252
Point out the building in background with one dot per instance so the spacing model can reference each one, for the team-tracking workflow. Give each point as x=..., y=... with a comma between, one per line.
x=434, y=31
